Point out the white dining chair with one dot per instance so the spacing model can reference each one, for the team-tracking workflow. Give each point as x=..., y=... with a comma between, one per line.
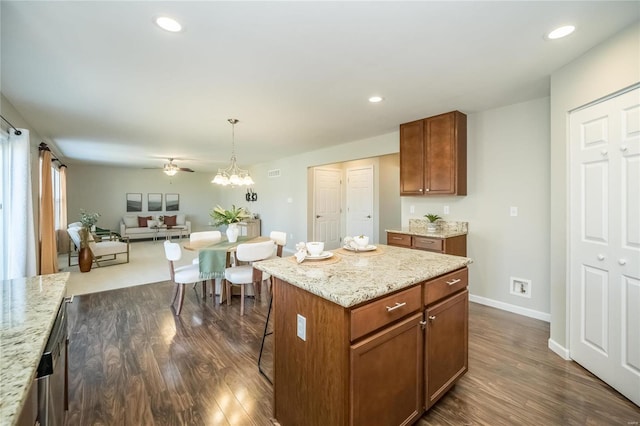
x=243, y=275
x=182, y=275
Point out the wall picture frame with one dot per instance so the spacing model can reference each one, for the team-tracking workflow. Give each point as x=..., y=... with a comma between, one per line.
x=154, y=202
x=172, y=202
x=134, y=201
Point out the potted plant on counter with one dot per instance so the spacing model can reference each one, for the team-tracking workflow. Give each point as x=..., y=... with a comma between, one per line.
x=229, y=218
x=431, y=224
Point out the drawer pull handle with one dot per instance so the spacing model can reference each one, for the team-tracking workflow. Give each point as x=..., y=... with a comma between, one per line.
x=396, y=238
x=432, y=317
x=455, y=281
x=398, y=305
x=426, y=241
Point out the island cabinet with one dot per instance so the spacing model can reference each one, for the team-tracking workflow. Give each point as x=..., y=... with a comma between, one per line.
x=371, y=364
x=446, y=338
x=433, y=155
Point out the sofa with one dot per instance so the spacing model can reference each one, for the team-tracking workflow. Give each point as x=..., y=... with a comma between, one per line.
x=150, y=226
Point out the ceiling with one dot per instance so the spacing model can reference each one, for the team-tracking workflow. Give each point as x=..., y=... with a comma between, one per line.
x=103, y=84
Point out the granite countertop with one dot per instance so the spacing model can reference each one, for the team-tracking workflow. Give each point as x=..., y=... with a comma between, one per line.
x=28, y=310
x=446, y=233
x=359, y=277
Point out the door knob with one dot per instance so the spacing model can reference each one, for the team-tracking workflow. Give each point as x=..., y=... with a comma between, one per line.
x=432, y=317
x=604, y=152
x=368, y=216
x=623, y=148
x=318, y=216
x=622, y=261
x=600, y=257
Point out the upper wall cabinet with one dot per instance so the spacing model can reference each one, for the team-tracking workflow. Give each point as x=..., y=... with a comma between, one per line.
x=433, y=155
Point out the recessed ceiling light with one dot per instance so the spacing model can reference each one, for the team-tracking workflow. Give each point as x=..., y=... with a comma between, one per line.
x=375, y=99
x=561, y=32
x=169, y=24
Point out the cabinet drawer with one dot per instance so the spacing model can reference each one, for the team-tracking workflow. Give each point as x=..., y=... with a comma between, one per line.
x=425, y=243
x=402, y=240
x=375, y=315
x=445, y=285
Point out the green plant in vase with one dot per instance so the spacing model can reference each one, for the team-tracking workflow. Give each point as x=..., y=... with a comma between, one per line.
x=432, y=219
x=230, y=218
x=88, y=221
x=221, y=216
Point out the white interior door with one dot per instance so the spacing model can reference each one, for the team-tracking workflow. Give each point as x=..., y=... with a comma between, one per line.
x=605, y=241
x=327, y=209
x=360, y=202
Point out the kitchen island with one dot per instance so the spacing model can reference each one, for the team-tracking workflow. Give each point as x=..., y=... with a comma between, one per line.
x=366, y=338
x=29, y=308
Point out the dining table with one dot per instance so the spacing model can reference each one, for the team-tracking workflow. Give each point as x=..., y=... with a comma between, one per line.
x=214, y=256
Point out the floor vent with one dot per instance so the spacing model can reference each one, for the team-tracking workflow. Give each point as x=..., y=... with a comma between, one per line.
x=273, y=173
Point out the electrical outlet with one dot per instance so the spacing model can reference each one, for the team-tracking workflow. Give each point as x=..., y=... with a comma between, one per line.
x=289, y=200
x=302, y=327
x=412, y=209
x=446, y=209
x=520, y=287
x=513, y=211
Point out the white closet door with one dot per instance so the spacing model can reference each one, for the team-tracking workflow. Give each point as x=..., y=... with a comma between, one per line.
x=605, y=241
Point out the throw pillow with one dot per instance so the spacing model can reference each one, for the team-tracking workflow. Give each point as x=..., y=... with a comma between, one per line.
x=170, y=220
x=180, y=219
x=130, y=221
x=142, y=221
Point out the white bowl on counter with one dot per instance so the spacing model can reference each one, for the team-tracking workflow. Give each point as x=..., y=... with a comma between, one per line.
x=315, y=248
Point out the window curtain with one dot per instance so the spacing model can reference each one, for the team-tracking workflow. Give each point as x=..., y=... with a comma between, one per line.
x=17, y=233
x=63, y=237
x=48, y=251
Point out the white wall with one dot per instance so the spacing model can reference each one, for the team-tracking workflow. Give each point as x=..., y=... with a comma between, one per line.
x=103, y=190
x=508, y=165
x=273, y=205
x=604, y=70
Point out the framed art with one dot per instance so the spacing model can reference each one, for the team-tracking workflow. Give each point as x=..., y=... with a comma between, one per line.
x=154, y=202
x=134, y=202
x=172, y=202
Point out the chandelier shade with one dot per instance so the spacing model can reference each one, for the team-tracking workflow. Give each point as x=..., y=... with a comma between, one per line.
x=233, y=175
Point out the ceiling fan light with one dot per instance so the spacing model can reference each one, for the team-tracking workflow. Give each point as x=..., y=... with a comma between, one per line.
x=247, y=180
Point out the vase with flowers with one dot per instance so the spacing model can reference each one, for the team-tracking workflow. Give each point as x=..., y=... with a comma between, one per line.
x=230, y=218
x=88, y=221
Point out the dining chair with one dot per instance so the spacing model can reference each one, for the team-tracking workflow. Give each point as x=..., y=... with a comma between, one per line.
x=243, y=275
x=280, y=239
x=182, y=275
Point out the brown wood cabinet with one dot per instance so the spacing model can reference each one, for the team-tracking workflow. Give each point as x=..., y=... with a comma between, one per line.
x=386, y=375
x=433, y=155
x=446, y=345
x=456, y=245
x=373, y=364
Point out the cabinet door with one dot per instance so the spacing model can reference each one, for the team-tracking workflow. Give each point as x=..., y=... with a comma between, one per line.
x=386, y=376
x=412, y=158
x=440, y=168
x=446, y=345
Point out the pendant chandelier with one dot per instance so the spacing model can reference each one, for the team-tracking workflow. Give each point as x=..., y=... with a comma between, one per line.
x=233, y=175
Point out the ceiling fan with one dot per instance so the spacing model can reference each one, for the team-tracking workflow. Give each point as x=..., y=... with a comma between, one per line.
x=171, y=168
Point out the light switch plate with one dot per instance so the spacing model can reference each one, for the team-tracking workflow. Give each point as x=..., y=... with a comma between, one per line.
x=513, y=211
x=302, y=327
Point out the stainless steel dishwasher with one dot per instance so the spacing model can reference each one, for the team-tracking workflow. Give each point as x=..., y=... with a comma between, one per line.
x=52, y=373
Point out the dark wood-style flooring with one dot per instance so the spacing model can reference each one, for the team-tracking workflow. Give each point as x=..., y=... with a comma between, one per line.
x=133, y=362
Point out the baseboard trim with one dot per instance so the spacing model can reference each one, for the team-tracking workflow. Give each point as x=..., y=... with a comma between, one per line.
x=511, y=308
x=559, y=350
